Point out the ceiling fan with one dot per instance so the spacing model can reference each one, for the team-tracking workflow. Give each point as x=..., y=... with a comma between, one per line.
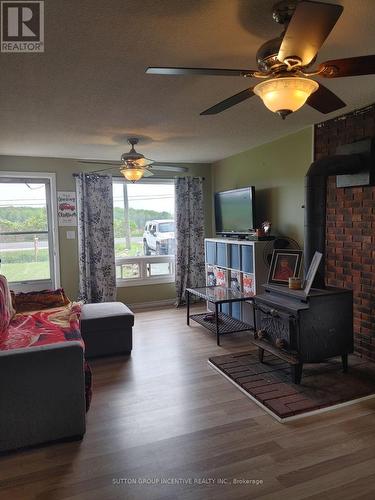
x=284, y=62
x=134, y=165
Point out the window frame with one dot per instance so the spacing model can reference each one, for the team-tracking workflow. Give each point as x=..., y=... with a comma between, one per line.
x=143, y=260
x=49, y=179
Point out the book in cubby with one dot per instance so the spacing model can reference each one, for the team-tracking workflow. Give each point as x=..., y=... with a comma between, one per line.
x=235, y=280
x=210, y=276
x=248, y=284
x=221, y=276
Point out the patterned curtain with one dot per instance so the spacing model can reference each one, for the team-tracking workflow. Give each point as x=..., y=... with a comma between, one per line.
x=190, y=270
x=97, y=270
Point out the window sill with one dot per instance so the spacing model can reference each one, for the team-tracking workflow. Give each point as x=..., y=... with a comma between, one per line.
x=157, y=280
x=143, y=268
x=30, y=286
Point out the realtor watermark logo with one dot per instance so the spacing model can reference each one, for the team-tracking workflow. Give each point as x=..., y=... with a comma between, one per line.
x=22, y=26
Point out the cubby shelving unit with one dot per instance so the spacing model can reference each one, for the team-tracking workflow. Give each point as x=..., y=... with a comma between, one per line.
x=228, y=257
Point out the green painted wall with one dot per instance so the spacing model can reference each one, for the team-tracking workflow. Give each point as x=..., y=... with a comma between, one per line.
x=277, y=171
x=64, y=168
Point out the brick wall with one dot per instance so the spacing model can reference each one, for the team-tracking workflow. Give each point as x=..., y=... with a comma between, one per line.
x=350, y=232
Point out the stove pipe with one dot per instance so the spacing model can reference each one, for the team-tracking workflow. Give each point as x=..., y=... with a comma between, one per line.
x=315, y=203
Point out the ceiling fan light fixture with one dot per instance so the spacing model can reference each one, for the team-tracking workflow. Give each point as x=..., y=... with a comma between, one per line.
x=286, y=94
x=133, y=159
x=139, y=162
x=132, y=174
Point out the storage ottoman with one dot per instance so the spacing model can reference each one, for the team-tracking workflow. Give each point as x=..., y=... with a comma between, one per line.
x=107, y=328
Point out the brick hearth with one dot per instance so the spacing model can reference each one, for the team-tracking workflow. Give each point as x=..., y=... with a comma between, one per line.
x=350, y=233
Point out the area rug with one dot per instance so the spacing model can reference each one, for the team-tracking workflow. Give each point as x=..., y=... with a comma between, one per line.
x=323, y=387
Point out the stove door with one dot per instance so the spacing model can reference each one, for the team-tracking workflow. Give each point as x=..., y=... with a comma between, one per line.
x=277, y=327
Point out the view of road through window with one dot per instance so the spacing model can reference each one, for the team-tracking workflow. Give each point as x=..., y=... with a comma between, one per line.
x=143, y=226
x=24, y=231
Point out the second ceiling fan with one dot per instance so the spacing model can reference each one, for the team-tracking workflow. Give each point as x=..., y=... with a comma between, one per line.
x=284, y=62
x=134, y=165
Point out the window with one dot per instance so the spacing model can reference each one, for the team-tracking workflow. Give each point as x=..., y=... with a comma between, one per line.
x=144, y=232
x=28, y=240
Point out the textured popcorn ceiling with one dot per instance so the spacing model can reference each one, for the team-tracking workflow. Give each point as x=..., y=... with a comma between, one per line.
x=88, y=91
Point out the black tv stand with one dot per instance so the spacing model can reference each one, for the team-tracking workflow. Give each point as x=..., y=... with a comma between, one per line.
x=246, y=236
x=237, y=236
x=260, y=238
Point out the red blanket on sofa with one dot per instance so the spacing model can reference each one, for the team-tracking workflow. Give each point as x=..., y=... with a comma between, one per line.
x=48, y=326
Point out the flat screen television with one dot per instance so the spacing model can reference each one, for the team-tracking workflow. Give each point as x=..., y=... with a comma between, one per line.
x=235, y=211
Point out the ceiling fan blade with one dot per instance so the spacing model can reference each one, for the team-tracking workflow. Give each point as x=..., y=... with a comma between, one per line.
x=351, y=66
x=201, y=71
x=168, y=168
x=143, y=162
x=147, y=173
x=101, y=162
x=104, y=170
x=115, y=164
x=325, y=101
x=228, y=103
x=310, y=25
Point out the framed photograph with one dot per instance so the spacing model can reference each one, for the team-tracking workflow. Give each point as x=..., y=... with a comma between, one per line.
x=312, y=272
x=285, y=264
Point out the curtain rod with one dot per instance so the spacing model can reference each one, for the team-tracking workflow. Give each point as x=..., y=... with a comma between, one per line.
x=121, y=177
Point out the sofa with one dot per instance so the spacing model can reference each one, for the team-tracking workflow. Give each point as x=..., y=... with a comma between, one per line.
x=45, y=380
x=42, y=395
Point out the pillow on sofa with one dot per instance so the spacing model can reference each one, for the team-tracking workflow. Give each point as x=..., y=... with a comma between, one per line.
x=6, y=307
x=43, y=299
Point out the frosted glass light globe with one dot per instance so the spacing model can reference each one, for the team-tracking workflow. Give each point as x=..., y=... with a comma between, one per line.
x=285, y=95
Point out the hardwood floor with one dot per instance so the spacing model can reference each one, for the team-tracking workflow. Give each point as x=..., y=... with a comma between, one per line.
x=163, y=415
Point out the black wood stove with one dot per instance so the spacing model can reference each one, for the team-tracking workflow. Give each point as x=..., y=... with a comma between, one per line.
x=304, y=329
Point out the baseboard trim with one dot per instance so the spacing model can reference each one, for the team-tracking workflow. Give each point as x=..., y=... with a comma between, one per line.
x=152, y=305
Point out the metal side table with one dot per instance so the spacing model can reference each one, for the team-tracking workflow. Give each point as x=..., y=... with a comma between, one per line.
x=221, y=323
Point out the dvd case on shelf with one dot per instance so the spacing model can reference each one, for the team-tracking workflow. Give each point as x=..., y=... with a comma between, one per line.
x=248, y=284
x=235, y=281
x=210, y=275
x=221, y=276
